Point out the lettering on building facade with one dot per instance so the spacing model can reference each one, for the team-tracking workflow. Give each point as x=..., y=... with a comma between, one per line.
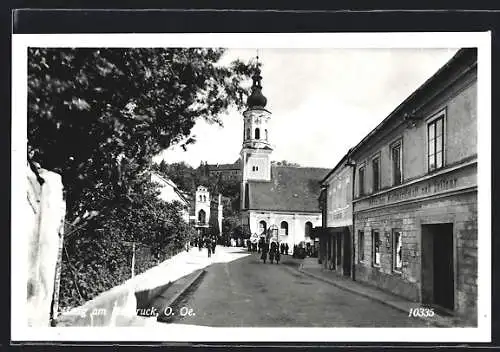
x=419, y=190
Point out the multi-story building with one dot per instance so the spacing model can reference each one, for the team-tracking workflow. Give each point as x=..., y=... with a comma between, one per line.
x=335, y=236
x=226, y=171
x=201, y=216
x=415, y=204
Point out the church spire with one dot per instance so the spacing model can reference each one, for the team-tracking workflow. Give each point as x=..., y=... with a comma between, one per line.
x=256, y=98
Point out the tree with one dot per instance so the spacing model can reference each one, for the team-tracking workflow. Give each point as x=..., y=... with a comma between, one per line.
x=97, y=116
x=284, y=163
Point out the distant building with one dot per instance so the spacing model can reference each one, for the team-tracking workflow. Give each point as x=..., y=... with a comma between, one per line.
x=226, y=171
x=169, y=192
x=202, y=208
x=283, y=199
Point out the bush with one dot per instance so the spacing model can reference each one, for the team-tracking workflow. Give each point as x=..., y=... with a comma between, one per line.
x=99, y=258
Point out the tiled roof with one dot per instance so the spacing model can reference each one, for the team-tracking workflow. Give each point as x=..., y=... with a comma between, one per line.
x=290, y=189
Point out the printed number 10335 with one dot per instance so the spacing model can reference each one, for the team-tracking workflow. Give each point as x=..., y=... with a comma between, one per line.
x=421, y=312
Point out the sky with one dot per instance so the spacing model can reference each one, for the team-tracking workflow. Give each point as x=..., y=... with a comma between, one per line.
x=323, y=102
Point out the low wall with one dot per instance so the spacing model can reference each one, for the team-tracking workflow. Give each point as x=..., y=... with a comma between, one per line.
x=118, y=306
x=44, y=217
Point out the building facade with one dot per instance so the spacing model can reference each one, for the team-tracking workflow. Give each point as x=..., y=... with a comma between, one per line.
x=415, y=205
x=202, y=209
x=226, y=171
x=169, y=192
x=335, y=236
x=283, y=199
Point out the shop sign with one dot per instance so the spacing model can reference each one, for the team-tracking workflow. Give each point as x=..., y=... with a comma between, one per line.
x=422, y=189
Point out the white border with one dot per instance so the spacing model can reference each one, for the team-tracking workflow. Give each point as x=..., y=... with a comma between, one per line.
x=20, y=42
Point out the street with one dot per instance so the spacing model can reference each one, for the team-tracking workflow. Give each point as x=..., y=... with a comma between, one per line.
x=247, y=293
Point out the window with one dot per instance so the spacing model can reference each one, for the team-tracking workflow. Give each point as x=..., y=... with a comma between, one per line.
x=262, y=227
x=201, y=216
x=362, y=181
x=375, y=248
x=284, y=228
x=436, y=143
x=248, y=133
x=308, y=229
x=255, y=168
x=267, y=136
x=396, y=164
x=376, y=174
x=257, y=133
x=361, y=246
x=397, y=254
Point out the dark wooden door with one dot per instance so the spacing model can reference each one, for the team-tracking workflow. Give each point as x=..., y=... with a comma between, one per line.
x=443, y=266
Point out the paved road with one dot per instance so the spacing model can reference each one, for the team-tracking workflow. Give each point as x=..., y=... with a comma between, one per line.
x=245, y=292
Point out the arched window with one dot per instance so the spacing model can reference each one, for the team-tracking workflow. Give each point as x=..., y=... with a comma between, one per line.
x=308, y=229
x=201, y=198
x=248, y=133
x=204, y=198
x=257, y=133
x=267, y=136
x=284, y=228
x=201, y=216
x=262, y=227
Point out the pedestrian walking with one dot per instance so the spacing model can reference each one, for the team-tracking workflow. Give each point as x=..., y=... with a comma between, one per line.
x=273, y=252
x=208, y=245
x=264, y=249
x=286, y=248
x=200, y=244
x=214, y=244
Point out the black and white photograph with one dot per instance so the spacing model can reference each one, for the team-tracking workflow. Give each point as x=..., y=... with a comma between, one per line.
x=239, y=187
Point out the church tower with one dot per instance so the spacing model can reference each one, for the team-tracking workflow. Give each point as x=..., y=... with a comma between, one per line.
x=256, y=150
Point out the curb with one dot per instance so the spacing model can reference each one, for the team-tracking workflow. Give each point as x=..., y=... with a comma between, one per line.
x=331, y=282
x=172, y=301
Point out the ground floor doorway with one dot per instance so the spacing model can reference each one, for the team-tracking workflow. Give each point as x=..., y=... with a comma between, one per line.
x=438, y=274
x=338, y=250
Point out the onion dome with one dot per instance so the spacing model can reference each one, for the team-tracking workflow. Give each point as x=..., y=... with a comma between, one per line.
x=256, y=98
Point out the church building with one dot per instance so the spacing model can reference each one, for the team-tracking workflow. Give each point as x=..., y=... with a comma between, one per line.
x=283, y=199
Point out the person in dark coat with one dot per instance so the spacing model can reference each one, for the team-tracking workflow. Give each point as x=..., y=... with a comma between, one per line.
x=200, y=244
x=273, y=251
x=286, y=248
x=208, y=244
x=261, y=244
x=214, y=244
x=265, y=250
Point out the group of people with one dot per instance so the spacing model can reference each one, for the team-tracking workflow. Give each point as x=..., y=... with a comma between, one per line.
x=284, y=248
x=272, y=249
x=252, y=247
x=208, y=242
x=300, y=251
